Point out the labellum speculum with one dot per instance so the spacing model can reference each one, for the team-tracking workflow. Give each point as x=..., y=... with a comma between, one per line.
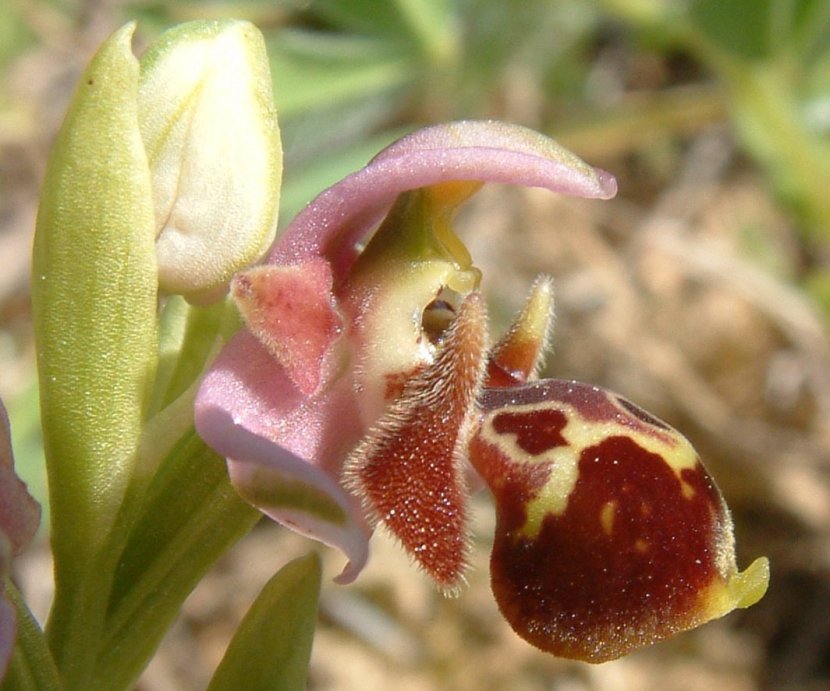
x=365, y=388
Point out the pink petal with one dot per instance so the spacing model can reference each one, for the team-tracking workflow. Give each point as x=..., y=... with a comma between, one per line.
x=19, y=512
x=8, y=616
x=8, y=625
x=290, y=310
x=286, y=400
x=487, y=151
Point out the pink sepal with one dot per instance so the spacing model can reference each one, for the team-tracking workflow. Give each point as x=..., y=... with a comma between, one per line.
x=287, y=488
x=487, y=151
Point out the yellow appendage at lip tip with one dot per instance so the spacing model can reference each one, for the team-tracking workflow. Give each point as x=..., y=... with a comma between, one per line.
x=748, y=587
x=743, y=589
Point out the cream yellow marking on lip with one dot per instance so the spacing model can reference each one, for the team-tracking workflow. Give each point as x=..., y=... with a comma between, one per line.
x=581, y=433
x=606, y=516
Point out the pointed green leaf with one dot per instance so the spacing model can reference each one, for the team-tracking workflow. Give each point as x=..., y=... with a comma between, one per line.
x=271, y=649
x=94, y=286
x=94, y=298
x=190, y=516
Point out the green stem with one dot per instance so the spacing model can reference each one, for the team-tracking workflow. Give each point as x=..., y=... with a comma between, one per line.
x=189, y=334
x=77, y=616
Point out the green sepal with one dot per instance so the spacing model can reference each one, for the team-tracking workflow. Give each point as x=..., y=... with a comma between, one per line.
x=418, y=228
x=272, y=646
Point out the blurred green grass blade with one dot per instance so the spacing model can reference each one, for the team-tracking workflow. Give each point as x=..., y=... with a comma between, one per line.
x=434, y=24
x=753, y=30
x=312, y=71
x=361, y=16
x=738, y=27
x=272, y=646
x=802, y=26
x=15, y=34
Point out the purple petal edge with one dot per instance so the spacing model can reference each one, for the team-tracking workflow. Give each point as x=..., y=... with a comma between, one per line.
x=252, y=456
x=8, y=615
x=486, y=151
x=19, y=512
x=8, y=626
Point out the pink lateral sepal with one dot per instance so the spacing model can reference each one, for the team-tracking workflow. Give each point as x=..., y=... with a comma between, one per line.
x=19, y=519
x=291, y=312
x=408, y=469
x=8, y=626
x=288, y=489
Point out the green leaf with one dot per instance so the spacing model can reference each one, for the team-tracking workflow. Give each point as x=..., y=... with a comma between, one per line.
x=752, y=30
x=15, y=34
x=94, y=297
x=433, y=22
x=362, y=16
x=271, y=649
x=191, y=515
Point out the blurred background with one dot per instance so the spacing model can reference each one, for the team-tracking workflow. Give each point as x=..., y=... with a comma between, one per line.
x=702, y=292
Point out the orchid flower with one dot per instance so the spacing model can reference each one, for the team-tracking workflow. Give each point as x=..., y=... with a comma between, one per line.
x=364, y=391
x=19, y=519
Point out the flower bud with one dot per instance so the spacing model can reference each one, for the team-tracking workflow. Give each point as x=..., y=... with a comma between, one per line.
x=209, y=127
